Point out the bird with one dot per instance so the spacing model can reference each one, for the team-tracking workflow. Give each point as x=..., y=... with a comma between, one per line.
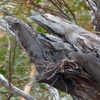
x=86, y=44
x=68, y=31
x=48, y=51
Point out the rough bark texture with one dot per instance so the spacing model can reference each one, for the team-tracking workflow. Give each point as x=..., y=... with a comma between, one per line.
x=68, y=59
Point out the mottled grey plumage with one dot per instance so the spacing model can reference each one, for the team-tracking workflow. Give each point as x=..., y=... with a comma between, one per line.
x=70, y=32
x=80, y=73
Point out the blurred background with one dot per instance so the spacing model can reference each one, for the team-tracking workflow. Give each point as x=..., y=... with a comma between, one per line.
x=22, y=68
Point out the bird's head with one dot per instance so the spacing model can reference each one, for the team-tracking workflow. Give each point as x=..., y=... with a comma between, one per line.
x=14, y=24
x=50, y=22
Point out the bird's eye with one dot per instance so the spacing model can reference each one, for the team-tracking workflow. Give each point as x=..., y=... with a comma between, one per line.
x=46, y=16
x=15, y=24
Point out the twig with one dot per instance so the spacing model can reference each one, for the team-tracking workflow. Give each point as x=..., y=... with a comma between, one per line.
x=69, y=9
x=10, y=73
x=14, y=89
x=60, y=9
x=53, y=74
x=11, y=64
x=63, y=82
x=14, y=52
x=55, y=80
x=91, y=6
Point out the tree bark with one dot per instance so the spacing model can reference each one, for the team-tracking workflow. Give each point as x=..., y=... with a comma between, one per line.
x=14, y=89
x=68, y=59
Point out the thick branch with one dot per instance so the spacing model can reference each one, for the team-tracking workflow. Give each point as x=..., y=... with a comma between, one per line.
x=68, y=60
x=14, y=89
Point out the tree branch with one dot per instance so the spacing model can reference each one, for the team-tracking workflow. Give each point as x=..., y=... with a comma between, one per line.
x=5, y=27
x=47, y=52
x=68, y=60
x=14, y=89
x=54, y=93
x=52, y=90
